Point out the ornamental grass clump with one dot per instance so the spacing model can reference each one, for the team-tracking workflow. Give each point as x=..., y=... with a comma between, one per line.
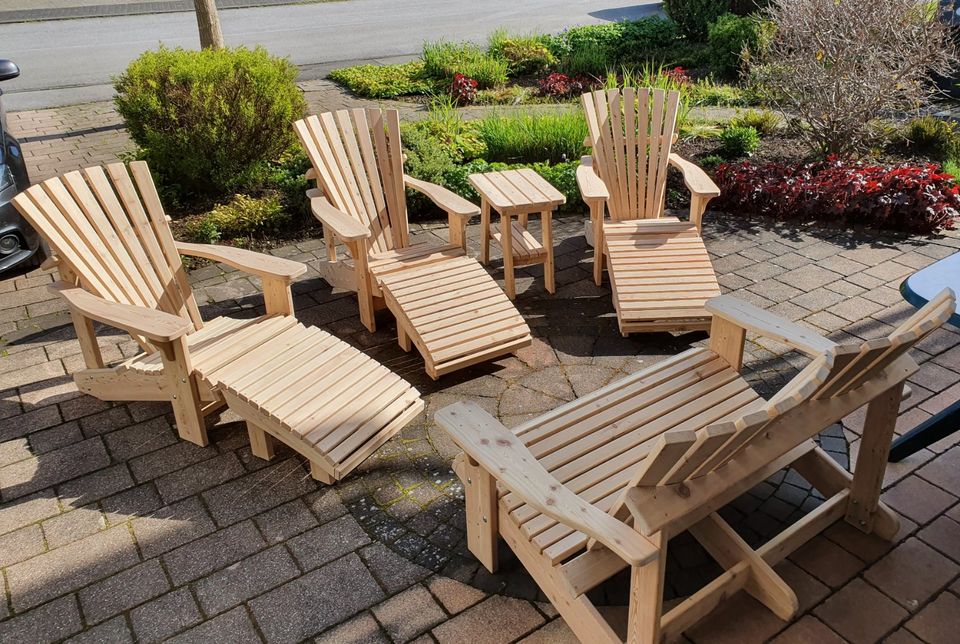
x=528, y=138
x=839, y=65
x=209, y=121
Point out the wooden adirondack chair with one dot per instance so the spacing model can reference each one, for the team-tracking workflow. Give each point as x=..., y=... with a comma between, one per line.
x=120, y=265
x=665, y=449
x=660, y=272
x=443, y=301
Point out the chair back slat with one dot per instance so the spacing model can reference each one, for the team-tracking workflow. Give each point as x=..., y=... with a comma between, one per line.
x=631, y=133
x=358, y=161
x=110, y=231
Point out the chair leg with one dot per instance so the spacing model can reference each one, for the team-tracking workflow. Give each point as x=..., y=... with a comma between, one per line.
x=320, y=474
x=262, y=444
x=480, y=489
x=597, y=221
x=646, y=597
x=403, y=338
x=878, y=430
x=185, y=397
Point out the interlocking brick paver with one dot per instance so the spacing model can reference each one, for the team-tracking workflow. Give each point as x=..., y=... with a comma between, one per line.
x=122, y=591
x=453, y=595
x=48, y=623
x=860, y=613
x=245, y=579
x=199, y=477
x=917, y=499
x=212, y=552
x=171, y=526
x=912, y=573
x=54, y=573
x=114, y=631
x=73, y=525
x=164, y=616
x=408, y=614
x=362, y=629
x=827, y=561
x=241, y=498
x=322, y=598
x=328, y=542
x=513, y=618
x=20, y=544
x=96, y=485
x=234, y=627
x=938, y=622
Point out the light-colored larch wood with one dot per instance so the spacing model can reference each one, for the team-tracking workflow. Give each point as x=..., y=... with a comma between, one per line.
x=120, y=266
x=631, y=135
x=357, y=162
x=663, y=450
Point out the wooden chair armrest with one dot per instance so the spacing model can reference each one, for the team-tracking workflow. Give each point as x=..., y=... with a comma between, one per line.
x=343, y=225
x=508, y=460
x=450, y=202
x=152, y=324
x=697, y=181
x=245, y=260
x=751, y=318
x=592, y=188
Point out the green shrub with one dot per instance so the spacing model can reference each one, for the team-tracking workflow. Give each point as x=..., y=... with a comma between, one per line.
x=524, y=54
x=604, y=38
x=705, y=93
x=384, y=81
x=952, y=168
x=693, y=16
x=286, y=176
x=738, y=141
x=711, y=161
x=765, y=122
x=645, y=39
x=242, y=216
x=562, y=176
x=734, y=40
x=208, y=121
x=529, y=138
x=591, y=59
x=445, y=125
x=934, y=137
x=443, y=60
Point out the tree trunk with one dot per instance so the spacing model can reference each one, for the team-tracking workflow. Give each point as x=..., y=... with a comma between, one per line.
x=208, y=22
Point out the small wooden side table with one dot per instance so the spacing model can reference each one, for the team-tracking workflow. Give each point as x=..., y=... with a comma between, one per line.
x=518, y=193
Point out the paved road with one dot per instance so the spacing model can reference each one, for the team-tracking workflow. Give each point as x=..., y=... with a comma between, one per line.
x=70, y=61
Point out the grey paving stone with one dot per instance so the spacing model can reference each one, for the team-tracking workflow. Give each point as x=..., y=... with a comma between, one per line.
x=212, y=552
x=55, y=437
x=115, y=631
x=328, y=542
x=122, y=591
x=513, y=617
x=281, y=523
x=362, y=629
x=165, y=616
x=52, y=574
x=312, y=603
x=25, y=511
x=234, y=627
x=73, y=525
x=135, y=502
x=257, y=492
x=171, y=526
x=169, y=459
x=95, y=486
x=106, y=421
x=139, y=439
x=408, y=614
x=199, y=477
x=20, y=544
x=245, y=579
x=51, y=468
x=48, y=623
x=30, y=421
x=391, y=570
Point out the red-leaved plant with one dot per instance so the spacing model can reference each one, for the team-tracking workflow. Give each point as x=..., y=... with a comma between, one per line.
x=463, y=89
x=559, y=85
x=678, y=75
x=910, y=198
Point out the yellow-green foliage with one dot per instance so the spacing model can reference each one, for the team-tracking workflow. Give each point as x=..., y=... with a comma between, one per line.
x=241, y=217
x=383, y=81
x=208, y=121
x=443, y=60
x=524, y=54
x=765, y=122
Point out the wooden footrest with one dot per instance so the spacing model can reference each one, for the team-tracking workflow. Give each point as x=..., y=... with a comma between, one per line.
x=660, y=274
x=321, y=396
x=526, y=248
x=455, y=314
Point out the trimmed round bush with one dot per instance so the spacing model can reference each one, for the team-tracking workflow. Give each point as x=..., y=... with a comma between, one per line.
x=646, y=38
x=208, y=121
x=733, y=40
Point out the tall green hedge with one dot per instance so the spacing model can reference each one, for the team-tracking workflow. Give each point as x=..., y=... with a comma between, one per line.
x=208, y=121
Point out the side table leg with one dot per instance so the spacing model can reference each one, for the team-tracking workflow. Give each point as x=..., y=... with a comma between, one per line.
x=485, y=231
x=522, y=219
x=546, y=221
x=506, y=241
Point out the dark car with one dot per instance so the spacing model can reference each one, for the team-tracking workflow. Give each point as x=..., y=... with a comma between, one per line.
x=20, y=245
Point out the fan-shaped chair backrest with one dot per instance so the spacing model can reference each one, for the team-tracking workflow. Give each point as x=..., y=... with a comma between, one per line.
x=358, y=159
x=107, y=226
x=632, y=133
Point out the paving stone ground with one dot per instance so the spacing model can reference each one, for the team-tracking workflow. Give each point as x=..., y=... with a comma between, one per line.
x=111, y=529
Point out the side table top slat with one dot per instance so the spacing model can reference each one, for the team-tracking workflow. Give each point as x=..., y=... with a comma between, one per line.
x=552, y=195
x=513, y=192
